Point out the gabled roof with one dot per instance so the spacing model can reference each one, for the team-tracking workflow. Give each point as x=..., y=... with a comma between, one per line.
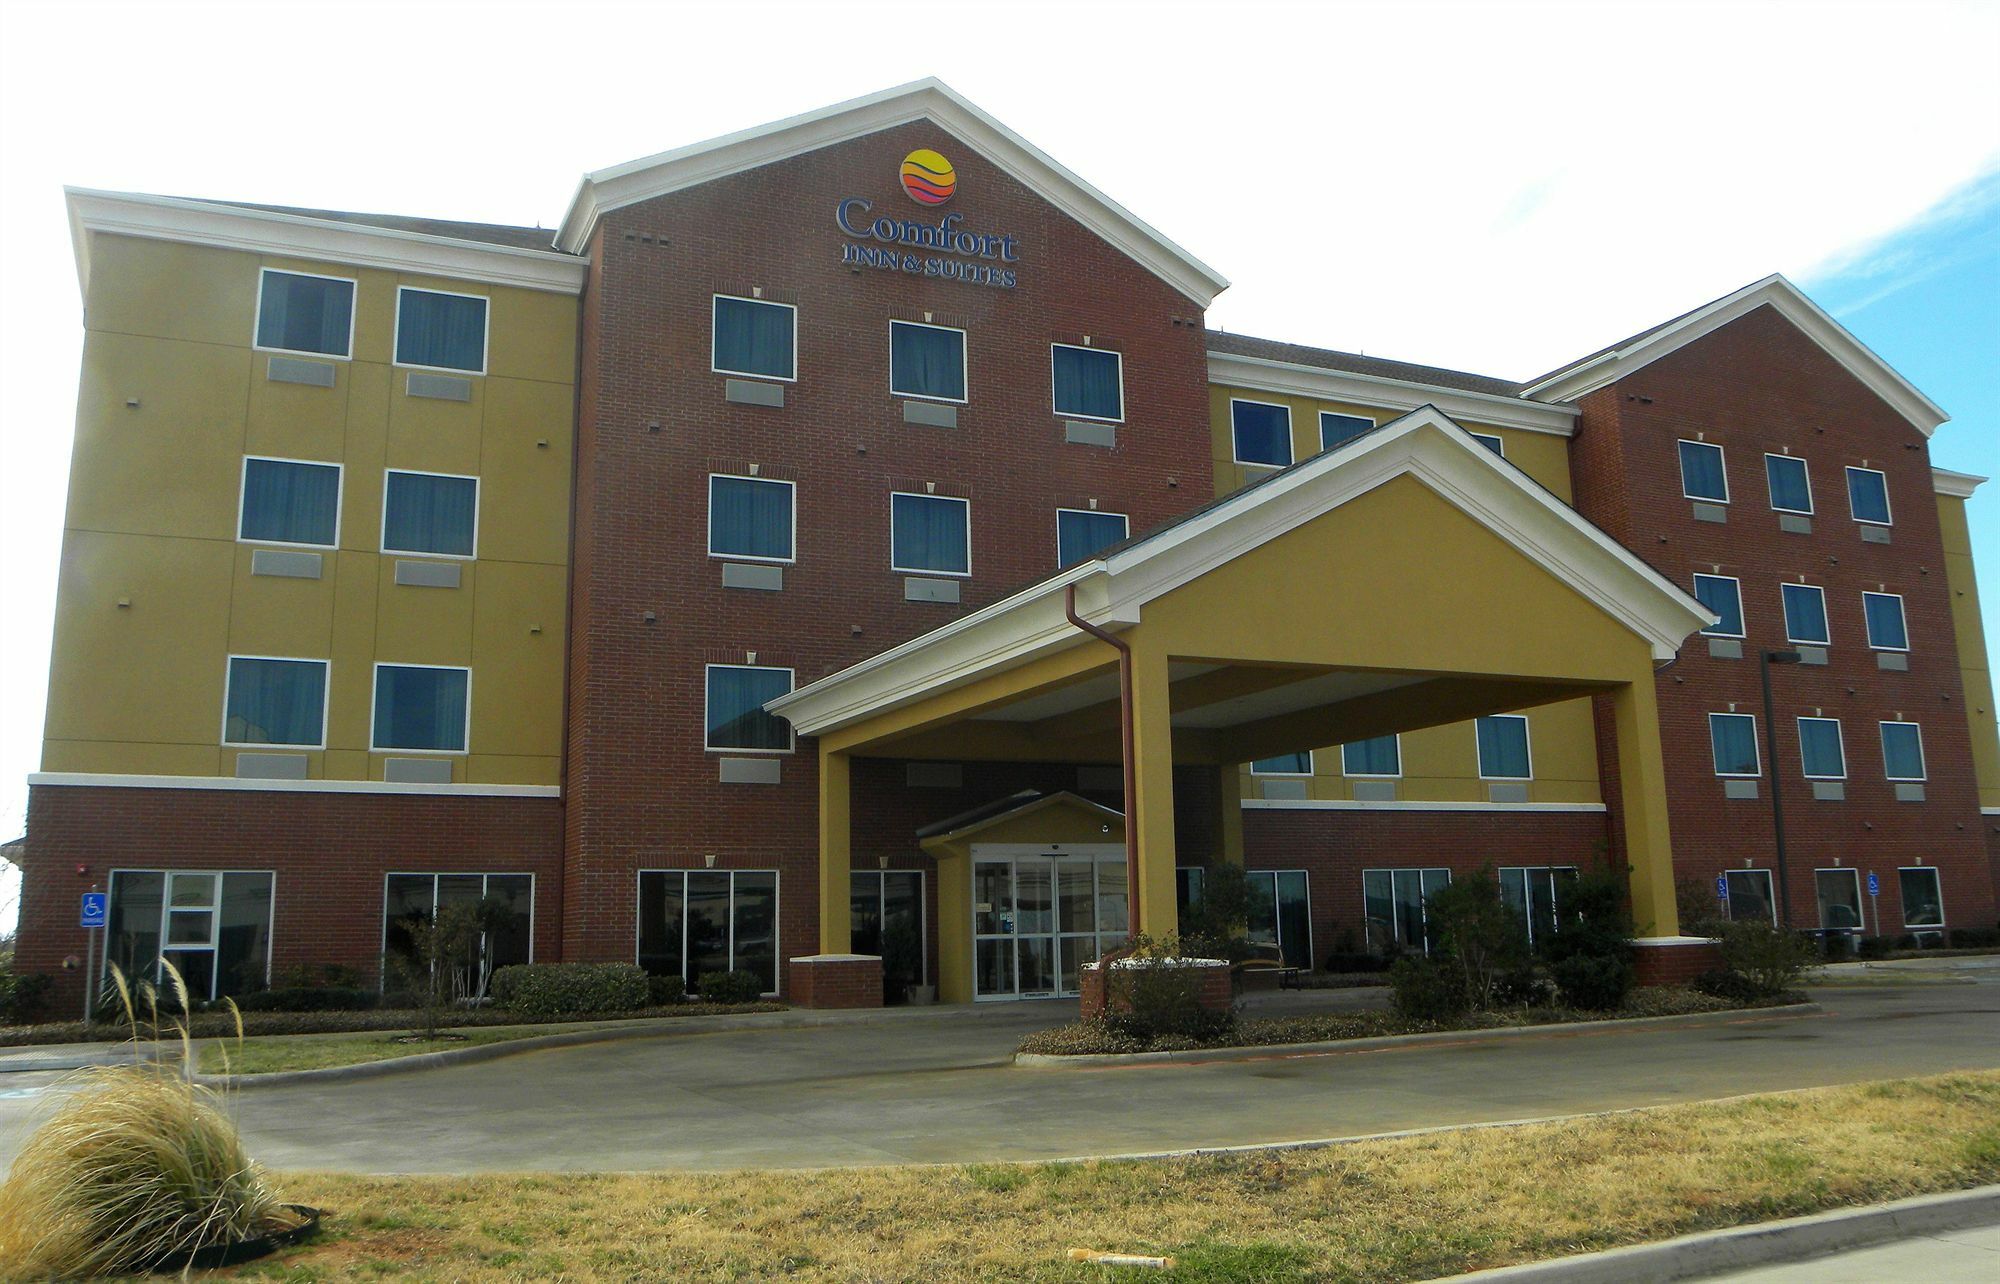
x=521, y=238
x=1608, y=365
x=1298, y=354
x=614, y=188
x=1000, y=810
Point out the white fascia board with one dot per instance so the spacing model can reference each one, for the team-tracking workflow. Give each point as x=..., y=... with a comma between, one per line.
x=1955, y=484
x=1261, y=374
x=1791, y=303
x=605, y=190
x=251, y=784
x=1356, y=804
x=168, y=218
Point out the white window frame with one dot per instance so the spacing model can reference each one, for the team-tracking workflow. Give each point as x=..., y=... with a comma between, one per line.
x=1943, y=926
x=214, y=918
x=1770, y=893
x=243, y=498
x=709, y=518
x=1527, y=741
x=485, y=336
x=1291, y=446
x=534, y=896
x=1311, y=763
x=1804, y=468
x=1860, y=898
x=966, y=505
x=1756, y=752
x=1869, y=628
x=1923, y=759
x=713, y=368
x=1743, y=614
x=1706, y=445
x=1069, y=414
x=791, y=734
x=1324, y=415
x=1824, y=614
x=777, y=916
x=353, y=309
x=965, y=361
x=1499, y=446
x=374, y=694
x=1087, y=512
x=1840, y=735
x=1395, y=906
x=1277, y=921
x=478, y=495
x=1888, y=505
x=881, y=894
x=1397, y=774
x=325, y=690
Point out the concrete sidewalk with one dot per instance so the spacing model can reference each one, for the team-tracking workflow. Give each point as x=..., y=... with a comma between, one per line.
x=1950, y=1257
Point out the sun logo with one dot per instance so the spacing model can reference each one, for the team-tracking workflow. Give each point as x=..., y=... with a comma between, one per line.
x=928, y=177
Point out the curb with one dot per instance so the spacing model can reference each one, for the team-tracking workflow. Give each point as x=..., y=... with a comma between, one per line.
x=1260, y=1052
x=1794, y=1239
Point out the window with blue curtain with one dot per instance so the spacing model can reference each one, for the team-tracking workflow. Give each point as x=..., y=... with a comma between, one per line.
x=447, y=331
x=1378, y=756
x=428, y=513
x=1503, y=748
x=1082, y=534
x=300, y=313
x=1089, y=382
x=1701, y=472
x=926, y=361
x=753, y=337
x=421, y=708
x=285, y=502
x=1791, y=488
x=750, y=517
x=1887, y=629
x=1724, y=596
x=929, y=533
x=1820, y=750
x=1805, y=614
x=1262, y=433
x=1285, y=764
x=737, y=694
x=1903, y=750
x=275, y=702
x=1733, y=739
x=1335, y=429
x=1868, y=496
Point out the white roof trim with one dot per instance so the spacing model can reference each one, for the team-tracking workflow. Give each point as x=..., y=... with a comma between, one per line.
x=1358, y=804
x=1957, y=485
x=1112, y=591
x=1775, y=291
x=170, y=218
x=605, y=190
x=249, y=784
x=1262, y=374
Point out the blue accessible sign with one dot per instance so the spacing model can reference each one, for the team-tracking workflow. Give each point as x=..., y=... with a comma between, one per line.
x=1721, y=887
x=1874, y=884
x=96, y=909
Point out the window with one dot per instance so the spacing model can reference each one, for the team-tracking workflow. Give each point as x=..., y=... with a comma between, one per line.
x=214, y=926
x=1285, y=764
x=1492, y=442
x=1393, y=908
x=750, y=517
x=755, y=337
x=1923, y=901
x=1903, y=751
x=302, y=312
x=704, y=922
x=930, y=534
x=1887, y=630
x=275, y=702
x=1280, y=917
x=1535, y=892
x=1791, y=488
x=1089, y=383
x=886, y=912
x=1723, y=595
x=1377, y=756
x=1083, y=533
x=1820, y=749
x=1749, y=897
x=432, y=513
x=422, y=707
x=1733, y=739
x=926, y=361
x=1336, y=429
x=1868, y=496
x=1839, y=899
x=1805, y=614
x=440, y=331
x=1701, y=473
x=506, y=905
x=736, y=720
x=1262, y=432
x=290, y=501
x=1503, y=747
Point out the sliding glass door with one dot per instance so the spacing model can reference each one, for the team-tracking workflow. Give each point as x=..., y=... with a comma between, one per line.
x=1037, y=919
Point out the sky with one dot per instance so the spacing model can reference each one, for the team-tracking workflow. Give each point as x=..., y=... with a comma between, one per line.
x=1496, y=187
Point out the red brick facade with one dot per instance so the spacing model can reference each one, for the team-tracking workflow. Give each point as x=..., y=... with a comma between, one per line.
x=1216, y=990
x=1676, y=963
x=835, y=981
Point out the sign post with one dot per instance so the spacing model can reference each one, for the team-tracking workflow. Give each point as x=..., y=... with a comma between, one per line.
x=1875, y=899
x=95, y=914
x=1722, y=892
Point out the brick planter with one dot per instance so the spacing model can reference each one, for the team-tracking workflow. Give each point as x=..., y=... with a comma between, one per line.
x=1215, y=994
x=836, y=981
x=1675, y=960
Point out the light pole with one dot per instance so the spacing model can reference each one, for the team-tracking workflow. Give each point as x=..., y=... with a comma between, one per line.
x=1765, y=659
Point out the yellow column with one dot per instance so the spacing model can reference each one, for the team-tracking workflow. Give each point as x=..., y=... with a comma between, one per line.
x=1229, y=809
x=1153, y=787
x=1642, y=786
x=954, y=892
x=836, y=931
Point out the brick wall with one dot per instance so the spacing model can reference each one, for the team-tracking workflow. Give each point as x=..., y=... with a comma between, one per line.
x=836, y=982
x=1675, y=964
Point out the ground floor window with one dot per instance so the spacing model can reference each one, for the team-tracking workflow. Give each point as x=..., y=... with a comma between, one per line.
x=1038, y=919
x=1535, y=892
x=504, y=903
x=1839, y=899
x=214, y=926
x=1923, y=901
x=1749, y=897
x=886, y=914
x=1392, y=902
x=700, y=922
x=1280, y=913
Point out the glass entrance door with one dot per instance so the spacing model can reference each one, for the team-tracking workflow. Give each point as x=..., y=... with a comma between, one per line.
x=1037, y=919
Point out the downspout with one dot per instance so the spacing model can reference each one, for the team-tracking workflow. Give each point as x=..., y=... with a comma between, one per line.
x=1124, y=650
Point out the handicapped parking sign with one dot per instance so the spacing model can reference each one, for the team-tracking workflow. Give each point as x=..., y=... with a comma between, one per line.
x=1874, y=884
x=96, y=909
x=1721, y=887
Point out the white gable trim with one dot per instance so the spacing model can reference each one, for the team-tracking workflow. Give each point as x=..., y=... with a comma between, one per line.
x=605, y=190
x=1957, y=485
x=1773, y=291
x=1260, y=374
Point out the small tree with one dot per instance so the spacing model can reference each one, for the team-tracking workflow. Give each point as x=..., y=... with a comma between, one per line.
x=1219, y=920
x=1478, y=934
x=442, y=942
x=1770, y=959
x=1590, y=952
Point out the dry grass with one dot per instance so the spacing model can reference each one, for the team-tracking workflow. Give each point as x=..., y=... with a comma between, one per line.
x=270, y=1053
x=1404, y=1209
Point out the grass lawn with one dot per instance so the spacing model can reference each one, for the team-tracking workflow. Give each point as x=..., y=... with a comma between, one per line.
x=1404, y=1209
x=263, y=1054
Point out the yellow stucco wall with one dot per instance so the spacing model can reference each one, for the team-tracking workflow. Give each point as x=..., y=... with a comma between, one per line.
x=1974, y=667
x=154, y=497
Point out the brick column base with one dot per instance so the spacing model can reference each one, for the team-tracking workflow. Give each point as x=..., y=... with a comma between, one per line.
x=1674, y=960
x=1216, y=993
x=836, y=981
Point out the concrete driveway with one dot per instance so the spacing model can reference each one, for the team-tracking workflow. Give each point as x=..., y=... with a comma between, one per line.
x=923, y=1088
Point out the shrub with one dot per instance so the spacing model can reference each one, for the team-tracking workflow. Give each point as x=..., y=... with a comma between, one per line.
x=1478, y=934
x=570, y=989
x=1877, y=947
x=1771, y=959
x=24, y=997
x=662, y=991
x=1218, y=922
x=1836, y=947
x=1149, y=998
x=315, y=976
x=1590, y=952
x=1592, y=982
x=311, y=998
x=1724, y=984
x=730, y=987
x=1343, y=961
x=1975, y=938
x=1426, y=989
